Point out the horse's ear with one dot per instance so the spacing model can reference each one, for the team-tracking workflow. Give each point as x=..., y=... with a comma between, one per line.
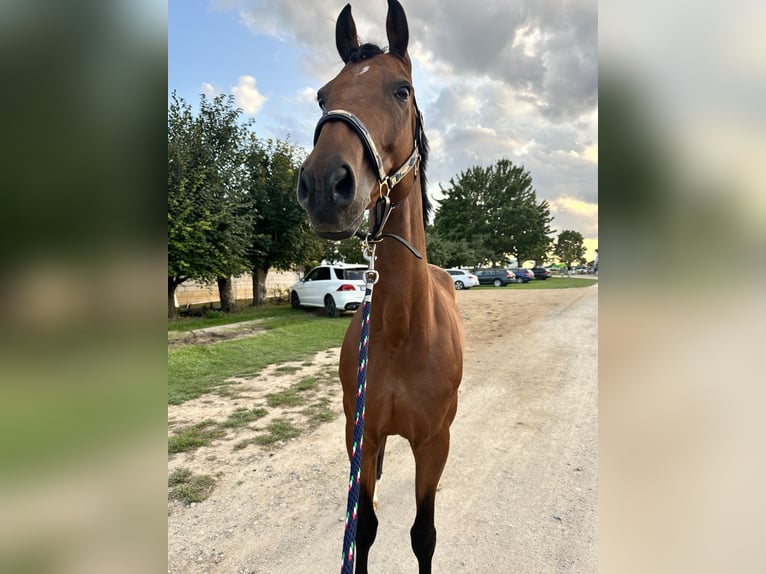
x=397, y=30
x=345, y=34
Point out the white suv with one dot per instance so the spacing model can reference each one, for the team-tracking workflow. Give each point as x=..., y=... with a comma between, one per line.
x=463, y=279
x=338, y=287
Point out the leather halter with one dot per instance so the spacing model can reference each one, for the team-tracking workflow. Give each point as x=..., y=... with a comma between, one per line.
x=387, y=181
x=383, y=206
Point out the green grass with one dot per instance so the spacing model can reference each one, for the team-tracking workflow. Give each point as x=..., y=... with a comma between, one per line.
x=194, y=370
x=550, y=283
x=243, y=443
x=279, y=429
x=307, y=384
x=195, y=436
x=319, y=412
x=179, y=476
x=242, y=417
x=187, y=487
x=287, y=369
x=293, y=397
x=287, y=398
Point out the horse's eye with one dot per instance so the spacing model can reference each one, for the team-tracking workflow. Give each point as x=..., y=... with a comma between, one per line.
x=403, y=93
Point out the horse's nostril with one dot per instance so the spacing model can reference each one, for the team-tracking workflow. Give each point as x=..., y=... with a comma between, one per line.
x=342, y=185
x=303, y=187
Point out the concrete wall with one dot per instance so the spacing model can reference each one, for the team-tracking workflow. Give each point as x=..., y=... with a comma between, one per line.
x=277, y=284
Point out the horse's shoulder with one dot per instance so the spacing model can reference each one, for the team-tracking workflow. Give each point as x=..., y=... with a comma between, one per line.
x=443, y=286
x=441, y=277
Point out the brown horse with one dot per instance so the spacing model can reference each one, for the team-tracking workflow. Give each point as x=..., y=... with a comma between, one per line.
x=416, y=332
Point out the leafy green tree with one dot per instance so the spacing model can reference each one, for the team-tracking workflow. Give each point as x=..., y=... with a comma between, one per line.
x=541, y=243
x=346, y=251
x=188, y=221
x=448, y=252
x=224, y=137
x=494, y=213
x=208, y=217
x=281, y=237
x=462, y=214
x=570, y=247
x=528, y=226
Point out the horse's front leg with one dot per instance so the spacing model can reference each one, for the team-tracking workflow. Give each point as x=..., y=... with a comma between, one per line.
x=367, y=524
x=429, y=464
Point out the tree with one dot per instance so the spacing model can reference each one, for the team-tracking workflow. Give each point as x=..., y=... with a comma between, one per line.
x=224, y=140
x=448, y=252
x=569, y=247
x=208, y=219
x=528, y=229
x=462, y=213
x=541, y=247
x=189, y=213
x=493, y=212
x=346, y=251
x=281, y=236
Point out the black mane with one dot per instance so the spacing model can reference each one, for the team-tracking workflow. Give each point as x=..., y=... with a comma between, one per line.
x=365, y=52
x=422, y=143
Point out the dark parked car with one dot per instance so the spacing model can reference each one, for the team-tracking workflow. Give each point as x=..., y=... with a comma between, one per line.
x=522, y=275
x=496, y=277
x=541, y=272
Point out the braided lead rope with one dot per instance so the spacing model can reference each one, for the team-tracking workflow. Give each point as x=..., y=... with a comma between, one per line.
x=352, y=506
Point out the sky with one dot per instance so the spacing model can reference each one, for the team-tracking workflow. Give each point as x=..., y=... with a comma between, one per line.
x=516, y=80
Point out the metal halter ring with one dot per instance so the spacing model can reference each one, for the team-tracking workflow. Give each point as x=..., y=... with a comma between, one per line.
x=381, y=185
x=371, y=276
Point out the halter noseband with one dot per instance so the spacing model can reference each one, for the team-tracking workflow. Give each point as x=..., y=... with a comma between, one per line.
x=383, y=205
x=387, y=181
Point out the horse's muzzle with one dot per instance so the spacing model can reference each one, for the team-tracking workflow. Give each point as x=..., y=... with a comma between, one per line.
x=328, y=193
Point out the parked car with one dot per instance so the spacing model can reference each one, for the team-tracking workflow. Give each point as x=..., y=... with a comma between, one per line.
x=497, y=277
x=336, y=288
x=463, y=279
x=522, y=275
x=541, y=272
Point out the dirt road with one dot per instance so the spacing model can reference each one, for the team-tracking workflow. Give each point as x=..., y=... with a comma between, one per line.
x=518, y=495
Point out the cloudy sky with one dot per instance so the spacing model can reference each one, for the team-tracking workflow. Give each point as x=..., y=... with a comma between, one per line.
x=499, y=79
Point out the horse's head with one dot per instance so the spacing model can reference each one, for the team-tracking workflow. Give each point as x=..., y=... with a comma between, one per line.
x=373, y=93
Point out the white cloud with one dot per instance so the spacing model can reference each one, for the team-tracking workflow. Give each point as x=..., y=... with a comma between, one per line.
x=307, y=95
x=247, y=96
x=588, y=153
x=209, y=90
x=575, y=206
x=514, y=80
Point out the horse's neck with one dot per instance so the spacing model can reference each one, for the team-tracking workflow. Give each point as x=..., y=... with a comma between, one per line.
x=404, y=289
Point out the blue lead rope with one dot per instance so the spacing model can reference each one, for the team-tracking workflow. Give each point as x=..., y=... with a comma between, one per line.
x=352, y=506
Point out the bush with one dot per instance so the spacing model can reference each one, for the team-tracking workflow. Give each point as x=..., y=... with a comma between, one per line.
x=213, y=314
